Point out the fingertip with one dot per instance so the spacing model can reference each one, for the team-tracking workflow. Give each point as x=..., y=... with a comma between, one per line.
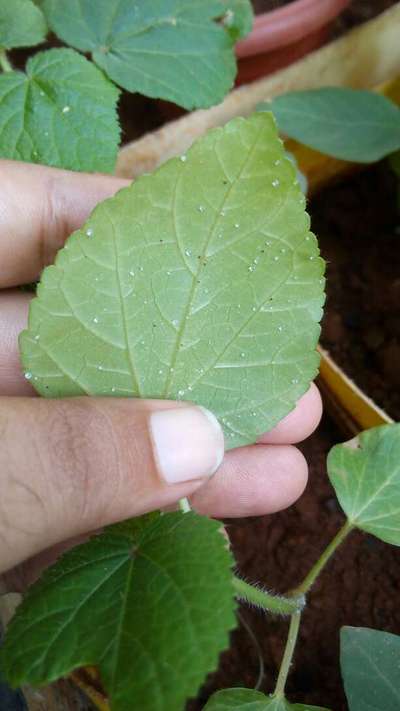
x=298, y=424
x=254, y=481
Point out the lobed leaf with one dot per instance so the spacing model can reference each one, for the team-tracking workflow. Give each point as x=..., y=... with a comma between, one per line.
x=22, y=24
x=365, y=473
x=199, y=282
x=250, y=700
x=171, y=49
x=350, y=124
x=62, y=112
x=150, y=602
x=369, y=662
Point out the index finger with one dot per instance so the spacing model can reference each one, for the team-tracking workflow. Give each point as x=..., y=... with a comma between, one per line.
x=39, y=208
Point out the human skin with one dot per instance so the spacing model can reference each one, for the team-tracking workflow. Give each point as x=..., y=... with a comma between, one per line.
x=72, y=466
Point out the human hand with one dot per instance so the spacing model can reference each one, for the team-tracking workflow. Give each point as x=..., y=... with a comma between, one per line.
x=71, y=466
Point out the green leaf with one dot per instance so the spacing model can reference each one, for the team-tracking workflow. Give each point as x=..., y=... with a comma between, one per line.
x=62, y=113
x=351, y=124
x=238, y=18
x=173, y=49
x=22, y=24
x=249, y=700
x=149, y=601
x=370, y=662
x=199, y=282
x=365, y=473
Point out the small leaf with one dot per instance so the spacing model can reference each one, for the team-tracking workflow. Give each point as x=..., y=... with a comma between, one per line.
x=365, y=473
x=238, y=18
x=350, y=124
x=62, y=112
x=370, y=662
x=22, y=24
x=149, y=601
x=200, y=282
x=249, y=700
x=172, y=49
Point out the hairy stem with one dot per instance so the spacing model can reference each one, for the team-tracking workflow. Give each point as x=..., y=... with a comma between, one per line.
x=5, y=63
x=276, y=604
x=313, y=574
x=288, y=654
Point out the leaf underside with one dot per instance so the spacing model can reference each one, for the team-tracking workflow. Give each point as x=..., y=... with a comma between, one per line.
x=150, y=602
x=350, y=124
x=171, y=49
x=199, y=282
x=370, y=669
x=61, y=112
x=365, y=473
x=250, y=700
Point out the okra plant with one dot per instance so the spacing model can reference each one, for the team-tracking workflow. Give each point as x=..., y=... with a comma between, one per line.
x=62, y=110
x=202, y=282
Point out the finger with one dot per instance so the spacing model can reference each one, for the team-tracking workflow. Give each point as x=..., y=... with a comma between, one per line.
x=39, y=208
x=298, y=424
x=253, y=481
x=71, y=466
x=13, y=319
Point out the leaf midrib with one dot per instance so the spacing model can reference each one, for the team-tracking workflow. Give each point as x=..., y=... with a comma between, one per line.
x=195, y=277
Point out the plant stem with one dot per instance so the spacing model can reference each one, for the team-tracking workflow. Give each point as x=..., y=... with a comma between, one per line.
x=5, y=63
x=313, y=574
x=298, y=594
x=276, y=604
x=184, y=505
x=288, y=655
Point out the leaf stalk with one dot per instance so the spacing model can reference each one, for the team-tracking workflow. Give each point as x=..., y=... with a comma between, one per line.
x=317, y=568
x=277, y=604
x=5, y=63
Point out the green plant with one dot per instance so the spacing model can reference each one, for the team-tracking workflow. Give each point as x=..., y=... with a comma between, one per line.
x=215, y=243
x=62, y=110
x=351, y=124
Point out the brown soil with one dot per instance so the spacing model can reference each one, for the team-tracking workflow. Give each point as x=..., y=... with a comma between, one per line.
x=361, y=587
x=358, y=228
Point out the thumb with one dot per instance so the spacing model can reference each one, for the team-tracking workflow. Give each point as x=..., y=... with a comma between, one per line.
x=71, y=466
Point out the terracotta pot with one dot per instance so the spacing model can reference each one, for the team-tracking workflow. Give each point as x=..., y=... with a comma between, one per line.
x=282, y=36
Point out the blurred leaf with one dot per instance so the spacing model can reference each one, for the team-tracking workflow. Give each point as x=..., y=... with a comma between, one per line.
x=150, y=601
x=350, y=124
x=199, y=282
x=249, y=700
x=22, y=24
x=62, y=113
x=171, y=49
x=370, y=663
x=365, y=473
x=238, y=18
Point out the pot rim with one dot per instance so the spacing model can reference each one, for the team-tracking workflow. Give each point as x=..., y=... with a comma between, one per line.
x=286, y=25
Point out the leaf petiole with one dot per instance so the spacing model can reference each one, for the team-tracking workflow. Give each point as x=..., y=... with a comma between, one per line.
x=277, y=604
x=313, y=574
x=5, y=63
x=184, y=505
